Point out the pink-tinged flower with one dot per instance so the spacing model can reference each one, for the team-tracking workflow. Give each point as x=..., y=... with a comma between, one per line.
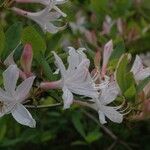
x=139, y=71
x=108, y=49
x=107, y=25
x=12, y=97
x=79, y=24
x=76, y=79
x=44, y=18
x=107, y=95
x=26, y=58
x=52, y=4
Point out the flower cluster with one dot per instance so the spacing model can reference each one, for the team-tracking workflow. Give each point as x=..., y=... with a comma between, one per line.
x=46, y=17
x=99, y=88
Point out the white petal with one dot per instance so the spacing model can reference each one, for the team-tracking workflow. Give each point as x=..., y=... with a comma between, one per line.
x=102, y=117
x=80, y=82
x=10, y=77
x=59, y=2
x=60, y=64
x=4, y=96
x=67, y=97
x=23, y=116
x=23, y=89
x=10, y=59
x=137, y=65
x=109, y=93
x=73, y=59
x=143, y=74
x=112, y=114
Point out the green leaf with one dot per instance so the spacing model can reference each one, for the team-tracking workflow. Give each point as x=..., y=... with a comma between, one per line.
x=125, y=78
x=2, y=40
x=119, y=50
x=13, y=38
x=130, y=92
x=121, y=73
x=30, y=35
x=93, y=136
x=76, y=120
x=117, y=53
x=47, y=71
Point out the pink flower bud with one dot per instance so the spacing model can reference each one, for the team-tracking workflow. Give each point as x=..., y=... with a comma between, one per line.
x=26, y=58
x=108, y=48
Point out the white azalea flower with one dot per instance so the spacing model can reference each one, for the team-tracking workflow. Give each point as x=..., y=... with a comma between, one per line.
x=76, y=79
x=50, y=3
x=44, y=18
x=79, y=24
x=140, y=73
x=107, y=95
x=12, y=97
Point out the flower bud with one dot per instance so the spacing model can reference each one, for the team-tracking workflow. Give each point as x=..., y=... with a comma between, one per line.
x=108, y=48
x=26, y=58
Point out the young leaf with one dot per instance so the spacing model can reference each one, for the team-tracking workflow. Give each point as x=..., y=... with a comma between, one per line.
x=76, y=120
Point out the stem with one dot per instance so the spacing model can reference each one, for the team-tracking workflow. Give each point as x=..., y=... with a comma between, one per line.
x=43, y=106
x=107, y=131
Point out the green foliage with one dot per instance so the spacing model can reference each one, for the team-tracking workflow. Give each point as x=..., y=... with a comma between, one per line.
x=2, y=40
x=125, y=78
x=13, y=32
x=30, y=35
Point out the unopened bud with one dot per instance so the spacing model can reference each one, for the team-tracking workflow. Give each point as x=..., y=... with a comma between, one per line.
x=26, y=58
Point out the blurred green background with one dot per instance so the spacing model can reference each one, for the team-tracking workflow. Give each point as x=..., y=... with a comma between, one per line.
x=90, y=24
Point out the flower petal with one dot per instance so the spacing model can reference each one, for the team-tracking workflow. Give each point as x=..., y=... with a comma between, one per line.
x=23, y=116
x=23, y=89
x=4, y=96
x=67, y=97
x=137, y=65
x=109, y=93
x=75, y=58
x=80, y=82
x=10, y=76
x=10, y=59
x=143, y=74
x=60, y=64
x=112, y=114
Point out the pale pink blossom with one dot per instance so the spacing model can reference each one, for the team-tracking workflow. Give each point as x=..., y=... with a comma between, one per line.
x=46, y=17
x=140, y=72
x=107, y=95
x=76, y=79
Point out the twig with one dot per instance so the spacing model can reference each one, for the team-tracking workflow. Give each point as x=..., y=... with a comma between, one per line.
x=107, y=131
x=43, y=106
